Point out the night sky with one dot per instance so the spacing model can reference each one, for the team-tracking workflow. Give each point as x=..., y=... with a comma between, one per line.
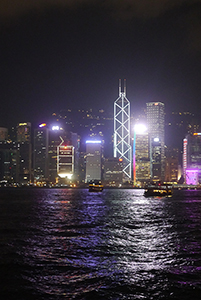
x=72, y=54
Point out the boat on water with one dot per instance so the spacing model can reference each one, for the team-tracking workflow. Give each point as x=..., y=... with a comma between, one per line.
x=95, y=186
x=158, y=190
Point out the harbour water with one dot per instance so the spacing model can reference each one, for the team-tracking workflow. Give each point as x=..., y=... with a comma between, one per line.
x=72, y=244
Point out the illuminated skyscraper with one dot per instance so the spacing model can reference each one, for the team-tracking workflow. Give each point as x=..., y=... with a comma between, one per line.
x=65, y=160
x=55, y=133
x=40, y=158
x=93, y=160
x=156, y=124
x=122, y=147
x=142, y=159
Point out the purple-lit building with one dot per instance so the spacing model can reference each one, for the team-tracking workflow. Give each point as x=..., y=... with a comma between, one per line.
x=192, y=158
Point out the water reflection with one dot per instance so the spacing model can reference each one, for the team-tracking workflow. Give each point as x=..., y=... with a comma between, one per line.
x=117, y=244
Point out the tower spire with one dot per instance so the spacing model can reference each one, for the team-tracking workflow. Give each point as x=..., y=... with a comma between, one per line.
x=119, y=87
x=125, y=87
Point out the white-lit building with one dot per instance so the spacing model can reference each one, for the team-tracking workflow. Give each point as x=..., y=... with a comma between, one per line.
x=122, y=137
x=65, y=161
x=55, y=134
x=93, y=160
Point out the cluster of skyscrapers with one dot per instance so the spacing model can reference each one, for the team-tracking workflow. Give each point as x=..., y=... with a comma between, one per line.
x=50, y=155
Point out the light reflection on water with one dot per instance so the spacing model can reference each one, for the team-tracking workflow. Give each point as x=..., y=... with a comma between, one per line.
x=72, y=244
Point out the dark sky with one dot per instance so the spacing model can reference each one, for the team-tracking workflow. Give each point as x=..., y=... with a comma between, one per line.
x=72, y=54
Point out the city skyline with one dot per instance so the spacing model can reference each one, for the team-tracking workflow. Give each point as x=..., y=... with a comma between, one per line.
x=73, y=53
x=25, y=158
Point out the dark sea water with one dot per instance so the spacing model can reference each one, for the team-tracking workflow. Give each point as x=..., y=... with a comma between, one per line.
x=72, y=244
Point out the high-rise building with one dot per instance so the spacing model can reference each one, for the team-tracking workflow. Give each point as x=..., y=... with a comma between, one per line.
x=122, y=146
x=40, y=156
x=93, y=160
x=141, y=156
x=192, y=157
x=24, y=139
x=113, y=172
x=65, y=161
x=9, y=162
x=155, y=123
x=55, y=135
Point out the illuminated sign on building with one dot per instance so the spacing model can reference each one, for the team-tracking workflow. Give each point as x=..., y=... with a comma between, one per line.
x=42, y=125
x=55, y=127
x=23, y=124
x=93, y=142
